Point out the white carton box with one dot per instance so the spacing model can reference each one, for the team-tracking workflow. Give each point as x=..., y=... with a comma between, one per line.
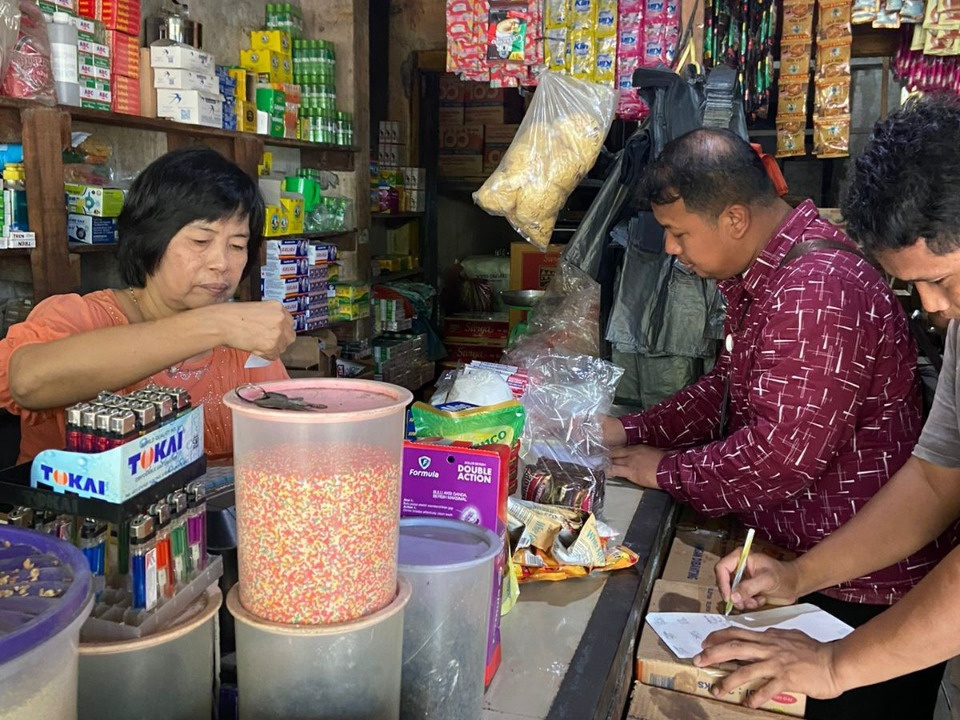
x=190, y=106
x=177, y=79
x=164, y=54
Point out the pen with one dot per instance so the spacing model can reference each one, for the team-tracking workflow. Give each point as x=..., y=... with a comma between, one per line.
x=741, y=564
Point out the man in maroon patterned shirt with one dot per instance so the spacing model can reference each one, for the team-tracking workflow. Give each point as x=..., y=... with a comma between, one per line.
x=813, y=403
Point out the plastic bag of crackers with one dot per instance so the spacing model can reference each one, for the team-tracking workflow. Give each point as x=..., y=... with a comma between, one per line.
x=557, y=144
x=549, y=542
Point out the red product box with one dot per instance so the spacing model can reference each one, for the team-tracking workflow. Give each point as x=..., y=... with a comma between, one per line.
x=125, y=51
x=123, y=15
x=477, y=328
x=125, y=94
x=457, y=353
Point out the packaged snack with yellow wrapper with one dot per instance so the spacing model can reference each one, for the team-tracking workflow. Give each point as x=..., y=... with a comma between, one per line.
x=502, y=424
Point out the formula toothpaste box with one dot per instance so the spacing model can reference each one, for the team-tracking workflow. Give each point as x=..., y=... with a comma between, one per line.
x=456, y=480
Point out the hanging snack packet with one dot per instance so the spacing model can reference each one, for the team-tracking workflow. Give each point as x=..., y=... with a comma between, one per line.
x=507, y=33
x=798, y=21
x=832, y=97
x=834, y=22
x=502, y=424
x=792, y=95
x=864, y=11
x=831, y=136
x=833, y=59
x=791, y=136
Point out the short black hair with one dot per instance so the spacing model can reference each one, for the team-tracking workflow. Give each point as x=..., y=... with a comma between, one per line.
x=906, y=183
x=178, y=188
x=710, y=169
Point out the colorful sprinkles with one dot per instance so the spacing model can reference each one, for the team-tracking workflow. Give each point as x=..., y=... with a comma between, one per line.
x=317, y=531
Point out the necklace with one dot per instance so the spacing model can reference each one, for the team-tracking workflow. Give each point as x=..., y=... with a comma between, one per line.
x=175, y=371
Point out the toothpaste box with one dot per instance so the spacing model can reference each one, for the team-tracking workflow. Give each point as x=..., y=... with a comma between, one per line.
x=284, y=268
x=462, y=482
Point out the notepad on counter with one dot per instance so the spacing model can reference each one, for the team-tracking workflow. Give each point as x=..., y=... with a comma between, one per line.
x=684, y=632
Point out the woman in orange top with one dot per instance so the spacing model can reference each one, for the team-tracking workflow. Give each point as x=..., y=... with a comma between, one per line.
x=190, y=230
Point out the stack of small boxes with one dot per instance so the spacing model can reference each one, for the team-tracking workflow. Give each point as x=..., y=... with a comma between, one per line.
x=188, y=89
x=92, y=213
x=400, y=358
x=348, y=301
x=296, y=275
x=119, y=88
x=395, y=187
x=49, y=7
x=228, y=93
x=277, y=99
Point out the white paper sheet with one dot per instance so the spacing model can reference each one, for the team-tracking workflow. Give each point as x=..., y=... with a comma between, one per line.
x=255, y=361
x=684, y=632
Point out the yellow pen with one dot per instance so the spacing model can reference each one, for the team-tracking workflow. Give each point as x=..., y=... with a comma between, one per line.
x=741, y=564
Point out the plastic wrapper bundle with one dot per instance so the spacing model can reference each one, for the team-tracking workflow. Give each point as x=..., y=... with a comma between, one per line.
x=29, y=73
x=564, y=452
x=557, y=144
x=557, y=543
x=9, y=27
x=567, y=318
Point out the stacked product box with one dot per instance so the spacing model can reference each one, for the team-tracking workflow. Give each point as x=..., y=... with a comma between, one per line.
x=475, y=336
x=49, y=7
x=228, y=93
x=348, y=301
x=182, y=75
x=392, y=172
x=320, y=257
x=286, y=277
x=270, y=63
x=92, y=213
x=245, y=95
x=400, y=358
x=120, y=89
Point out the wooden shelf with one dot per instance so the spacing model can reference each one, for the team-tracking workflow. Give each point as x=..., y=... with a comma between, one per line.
x=396, y=216
x=16, y=252
x=76, y=247
x=399, y=275
x=169, y=126
x=314, y=235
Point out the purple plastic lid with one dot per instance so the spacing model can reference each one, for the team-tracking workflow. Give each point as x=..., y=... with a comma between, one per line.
x=50, y=583
x=441, y=544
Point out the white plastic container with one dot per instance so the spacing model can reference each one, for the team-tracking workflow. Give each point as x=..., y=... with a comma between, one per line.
x=158, y=677
x=38, y=660
x=449, y=563
x=318, y=498
x=319, y=672
x=63, y=58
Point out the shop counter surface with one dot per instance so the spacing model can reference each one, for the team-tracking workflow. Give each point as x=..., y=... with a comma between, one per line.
x=568, y=646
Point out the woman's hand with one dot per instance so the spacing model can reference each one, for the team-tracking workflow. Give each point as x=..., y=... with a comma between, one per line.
x=765, y=580
x=262, y=328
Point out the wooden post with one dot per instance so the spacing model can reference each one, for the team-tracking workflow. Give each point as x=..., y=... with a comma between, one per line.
x=248, y=154
x=43, y=167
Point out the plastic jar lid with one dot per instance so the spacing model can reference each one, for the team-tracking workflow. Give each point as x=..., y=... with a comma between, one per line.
x=434, y=544
x=345, y=400
x=54, y=579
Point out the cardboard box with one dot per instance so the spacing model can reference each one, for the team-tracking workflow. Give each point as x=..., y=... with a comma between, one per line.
x=90, y=30
x=277, y=67
x=726, y=526
x=178, y=79
x=460, y=166
x=121, y=15
x=462, y=483
x=452, y=94
x=694, y=553
x=658, y=666
x=125, y=51
x=463, y=139
x=315, y=354
x=492, y=106
x=190, y=106
x=92, y=71
x=166, y=54
x=246, y=84
x=490, y=329
x=275, y=40
x=148, y=94
x=460, y=353
x=125, y=95
x=97, y=92
x=653, y=703
x=531, y=269
x=94, y=200
x=97, y=51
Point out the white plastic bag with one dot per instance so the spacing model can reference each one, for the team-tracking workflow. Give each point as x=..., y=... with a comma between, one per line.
x=557, y=144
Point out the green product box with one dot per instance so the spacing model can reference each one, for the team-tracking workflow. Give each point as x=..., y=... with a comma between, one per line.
x=276, y=127
x=91, y=200
x=94, y=105
x=98, y=61
x=93, y=84
x=271, y=101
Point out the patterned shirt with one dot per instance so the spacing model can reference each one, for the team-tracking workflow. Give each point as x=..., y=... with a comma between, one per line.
x=824, y=404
